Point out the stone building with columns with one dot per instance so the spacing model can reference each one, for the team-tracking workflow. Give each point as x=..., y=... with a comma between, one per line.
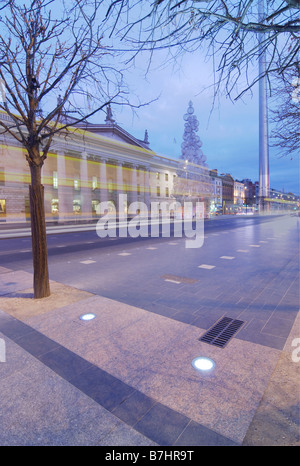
x=86, y=165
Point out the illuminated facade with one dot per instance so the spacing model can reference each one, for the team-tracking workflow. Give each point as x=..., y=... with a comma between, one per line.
x=90, y=164
x=281, y=201
x=216, y=205
x=227, y=193
x=238, y=195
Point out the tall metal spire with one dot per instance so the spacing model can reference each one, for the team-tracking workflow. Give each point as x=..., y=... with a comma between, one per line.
x=264, y=170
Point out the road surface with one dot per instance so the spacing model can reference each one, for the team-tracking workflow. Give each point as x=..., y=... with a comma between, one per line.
x=246, y=269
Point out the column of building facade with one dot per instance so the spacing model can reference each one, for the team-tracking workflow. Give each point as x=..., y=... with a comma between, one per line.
x=64, y=207
x=103, y=181
x=147, y=186
x=133, y=185
x=119, y=186
x=85, y=188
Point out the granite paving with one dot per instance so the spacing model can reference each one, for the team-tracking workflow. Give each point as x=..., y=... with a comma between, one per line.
x=126, y=377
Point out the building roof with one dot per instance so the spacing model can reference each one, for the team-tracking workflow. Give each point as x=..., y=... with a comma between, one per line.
x=112, y=130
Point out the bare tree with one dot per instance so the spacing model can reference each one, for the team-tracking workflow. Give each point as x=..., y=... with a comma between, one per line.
x=232, y=33
x=49, y=48
x=285, y=116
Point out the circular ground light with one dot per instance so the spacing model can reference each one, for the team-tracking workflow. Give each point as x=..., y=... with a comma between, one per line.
x=203, y=364
x=89, y=316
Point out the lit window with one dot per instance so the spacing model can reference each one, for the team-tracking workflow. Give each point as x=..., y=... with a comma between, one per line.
x=76, y=184
x=54, y=206
x=2, y=176
x=95, y=204
x=94, y=183
x=2, y=206
x=76, y=206
x=166, y=176
x=55, y=180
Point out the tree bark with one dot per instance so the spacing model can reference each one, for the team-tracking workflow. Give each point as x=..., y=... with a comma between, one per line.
x=41, y=284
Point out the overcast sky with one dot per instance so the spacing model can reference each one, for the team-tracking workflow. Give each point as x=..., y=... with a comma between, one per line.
x=229, y=133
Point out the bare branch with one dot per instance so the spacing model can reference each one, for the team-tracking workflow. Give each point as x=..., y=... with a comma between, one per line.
x=285, y=113
x=230, y=30
x=44, y=54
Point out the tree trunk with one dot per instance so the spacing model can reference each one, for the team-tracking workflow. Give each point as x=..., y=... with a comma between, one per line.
x=38, y=232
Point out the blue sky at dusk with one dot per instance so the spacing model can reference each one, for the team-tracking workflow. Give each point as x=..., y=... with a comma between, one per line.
x=229, y=133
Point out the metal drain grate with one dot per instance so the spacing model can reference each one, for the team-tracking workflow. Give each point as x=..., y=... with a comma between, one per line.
x=220, y=333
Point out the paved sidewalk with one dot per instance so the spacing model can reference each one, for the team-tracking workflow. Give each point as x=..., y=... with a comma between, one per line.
x=126, y=378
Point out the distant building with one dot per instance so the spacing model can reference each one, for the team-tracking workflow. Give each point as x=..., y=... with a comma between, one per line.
x=239, y=195
x=216, y=205
x=251, y=192
x=193, y=184
x=281, y=201
x=227, y=193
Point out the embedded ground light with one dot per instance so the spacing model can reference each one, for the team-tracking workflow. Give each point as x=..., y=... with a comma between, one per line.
x=88, y=316
x=203, y=364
